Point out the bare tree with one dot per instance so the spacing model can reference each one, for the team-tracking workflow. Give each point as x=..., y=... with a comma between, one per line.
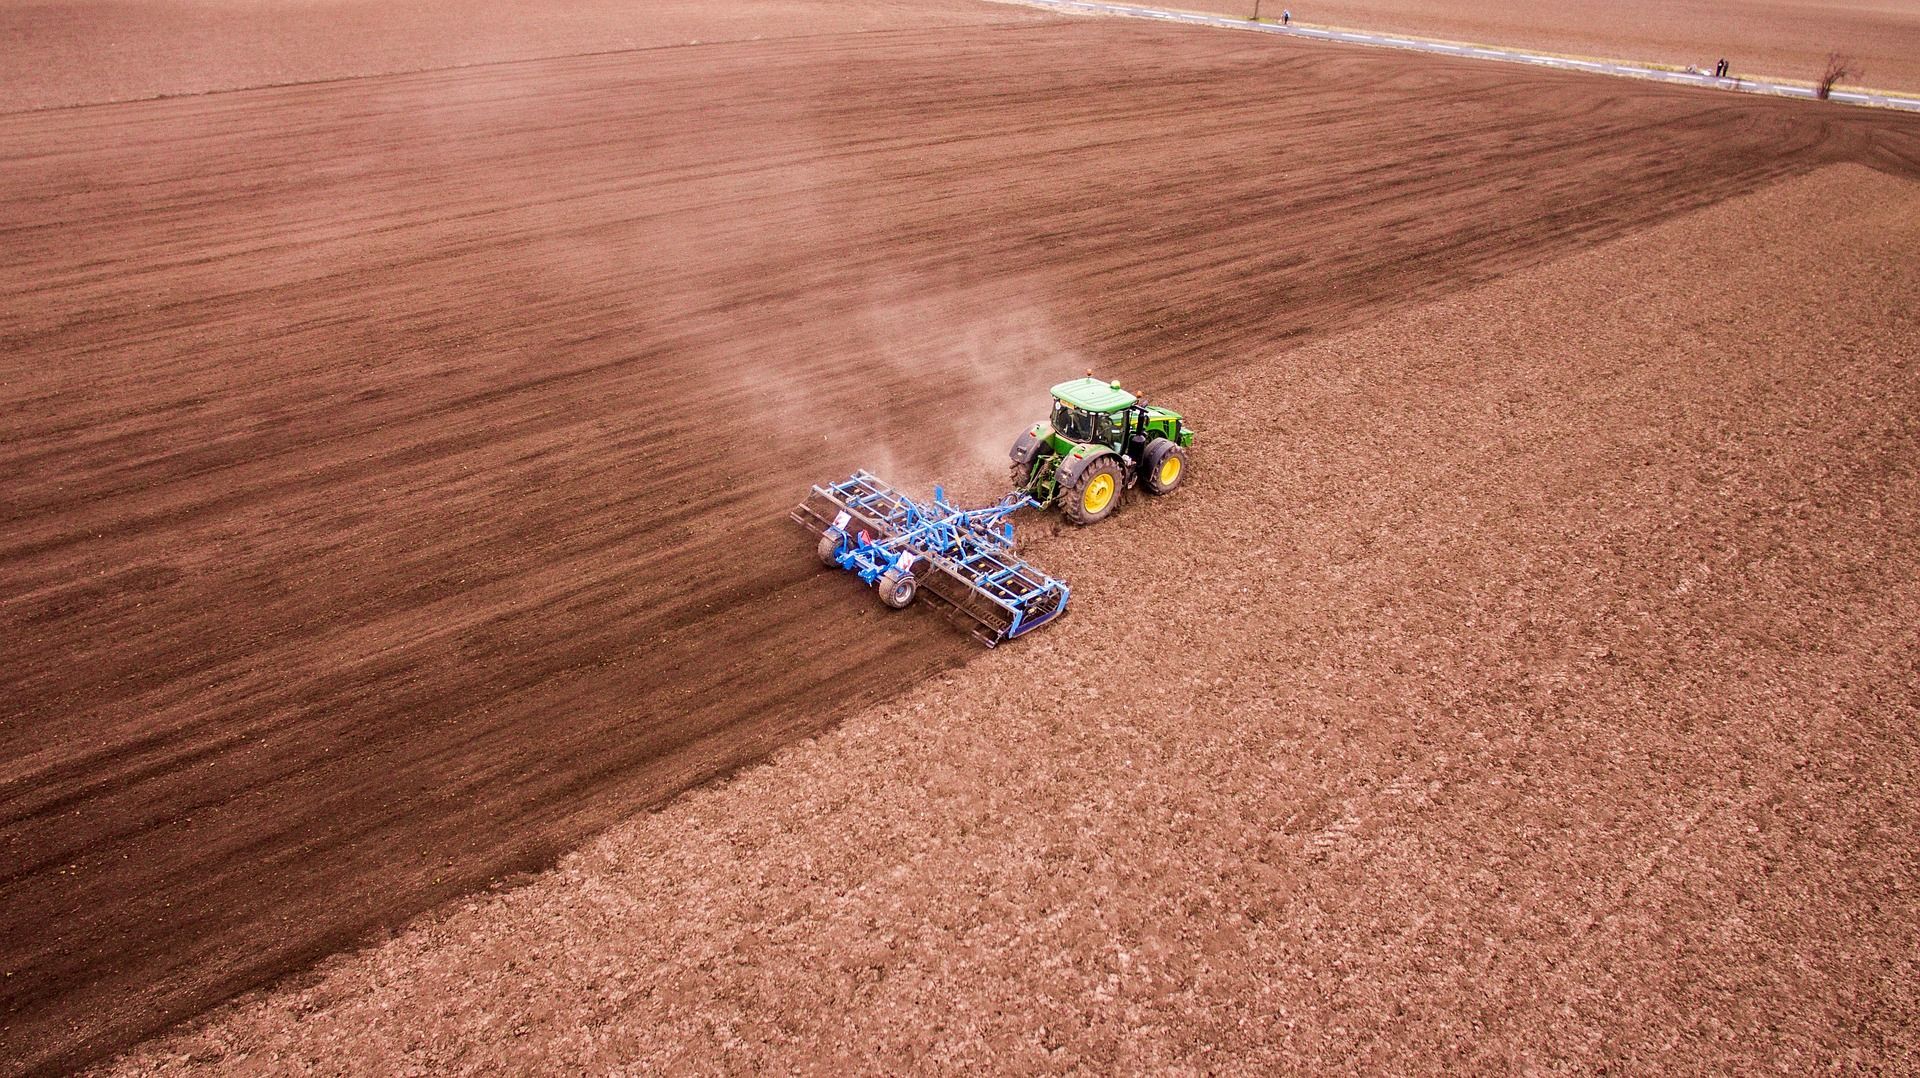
x=1838, y=67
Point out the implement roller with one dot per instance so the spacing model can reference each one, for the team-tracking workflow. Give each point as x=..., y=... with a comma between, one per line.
x=962, y=557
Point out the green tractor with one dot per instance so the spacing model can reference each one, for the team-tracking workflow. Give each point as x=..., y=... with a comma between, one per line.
x=1100, y=440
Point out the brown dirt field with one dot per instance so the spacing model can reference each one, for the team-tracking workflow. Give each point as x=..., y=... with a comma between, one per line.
x=1787, y=39
x=367, y=532
x=1549, y=701
x=71, y=52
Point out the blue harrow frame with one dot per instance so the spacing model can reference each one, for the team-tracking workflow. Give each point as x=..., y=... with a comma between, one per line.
x=962, y=557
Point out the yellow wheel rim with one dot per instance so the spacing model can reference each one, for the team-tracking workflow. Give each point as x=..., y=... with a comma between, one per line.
x=1099, y=493
x=1169, y=471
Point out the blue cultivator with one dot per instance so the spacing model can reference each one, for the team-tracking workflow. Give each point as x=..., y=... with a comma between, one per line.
x=963, y=557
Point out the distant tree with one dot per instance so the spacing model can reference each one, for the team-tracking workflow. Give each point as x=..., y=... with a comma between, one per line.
x=1838, y=67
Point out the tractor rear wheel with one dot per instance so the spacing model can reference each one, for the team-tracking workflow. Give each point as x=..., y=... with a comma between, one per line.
x=1163, y=466
x=897, y=589
x=1093, y=497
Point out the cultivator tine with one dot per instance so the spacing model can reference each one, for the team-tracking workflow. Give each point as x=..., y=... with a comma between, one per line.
x=869, y=502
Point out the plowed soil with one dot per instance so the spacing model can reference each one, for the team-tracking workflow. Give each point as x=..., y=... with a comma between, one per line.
x=1525, y=682
x=396, y=468
x=73, y=52
x=1786, y=39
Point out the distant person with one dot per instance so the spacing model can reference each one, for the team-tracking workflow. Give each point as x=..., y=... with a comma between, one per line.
x=1286, y=17
x=1720, y=69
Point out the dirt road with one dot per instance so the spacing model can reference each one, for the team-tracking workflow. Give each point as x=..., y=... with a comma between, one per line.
x=395, y=468
x=1712, y=77
x=1787, y=39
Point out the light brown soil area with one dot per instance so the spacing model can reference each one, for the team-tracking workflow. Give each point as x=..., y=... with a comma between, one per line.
x=1526, y=680
x=397, y=469
x=1786, y=39
x=70, y=52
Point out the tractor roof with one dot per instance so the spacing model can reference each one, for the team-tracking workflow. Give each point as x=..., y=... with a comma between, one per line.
x=1093, y=395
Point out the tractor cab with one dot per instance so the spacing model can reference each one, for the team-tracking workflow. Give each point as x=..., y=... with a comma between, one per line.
x=1099, y=440
x=1081, y=425
x=1088, y=410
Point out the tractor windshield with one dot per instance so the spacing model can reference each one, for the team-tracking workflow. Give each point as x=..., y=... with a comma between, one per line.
x=1079, y=425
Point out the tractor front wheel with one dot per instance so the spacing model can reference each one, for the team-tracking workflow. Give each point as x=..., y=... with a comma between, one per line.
x=1093, y=497
x=897, y=589
x=1164, y=466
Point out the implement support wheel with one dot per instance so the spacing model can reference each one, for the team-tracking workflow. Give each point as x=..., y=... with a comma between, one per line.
x=1163, y=466
x=1094, y=495
x=896, y=588
x=830, y=550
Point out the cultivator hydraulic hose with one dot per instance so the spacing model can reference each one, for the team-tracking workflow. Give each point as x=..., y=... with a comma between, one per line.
x=963, y=557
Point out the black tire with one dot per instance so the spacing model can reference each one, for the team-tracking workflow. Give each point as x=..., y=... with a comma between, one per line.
x=1096, y=494
x=828, y=549
x=1163, y=467
x=897, y=589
